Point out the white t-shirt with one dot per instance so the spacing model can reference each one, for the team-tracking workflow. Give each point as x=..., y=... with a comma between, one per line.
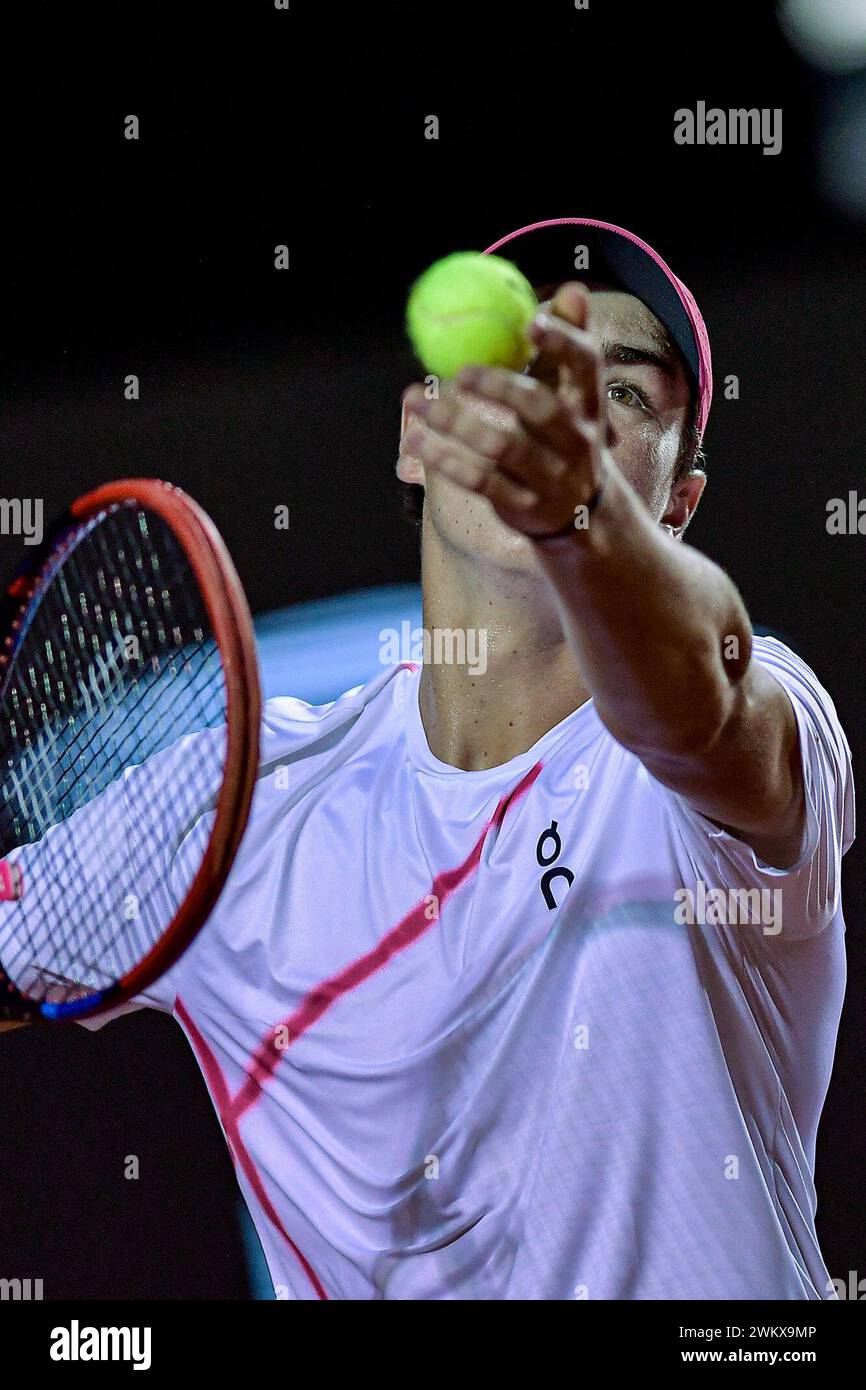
x=493, y=1034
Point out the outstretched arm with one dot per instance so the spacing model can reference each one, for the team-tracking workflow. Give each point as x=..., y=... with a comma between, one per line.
x=658, y=631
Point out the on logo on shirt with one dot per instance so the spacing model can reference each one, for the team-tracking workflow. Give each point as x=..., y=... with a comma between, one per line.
x=551, y=835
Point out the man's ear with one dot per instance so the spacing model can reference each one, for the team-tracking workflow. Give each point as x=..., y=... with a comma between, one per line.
x=685, y=495
x=409, y=469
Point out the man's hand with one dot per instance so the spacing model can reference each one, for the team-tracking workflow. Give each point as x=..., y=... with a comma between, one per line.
x=548, y=456
x=658, y=632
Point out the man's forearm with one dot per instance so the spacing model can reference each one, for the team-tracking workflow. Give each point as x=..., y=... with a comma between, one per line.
x=650, y=623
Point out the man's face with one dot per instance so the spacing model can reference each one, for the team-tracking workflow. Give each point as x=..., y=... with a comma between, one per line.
x=646, y=394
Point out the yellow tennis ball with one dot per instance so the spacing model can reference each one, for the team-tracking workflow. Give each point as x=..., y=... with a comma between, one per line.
x=471, y=309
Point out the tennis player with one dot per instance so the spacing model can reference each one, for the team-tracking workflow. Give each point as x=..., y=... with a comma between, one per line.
x=526, y=981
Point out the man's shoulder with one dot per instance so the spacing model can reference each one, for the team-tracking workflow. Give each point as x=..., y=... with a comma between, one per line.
x=287, y=720
x=772, y=651
x=804, y=688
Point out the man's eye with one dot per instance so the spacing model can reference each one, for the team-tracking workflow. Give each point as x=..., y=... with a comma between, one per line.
x=627, y=395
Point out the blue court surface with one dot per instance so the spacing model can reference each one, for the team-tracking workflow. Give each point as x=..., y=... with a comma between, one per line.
x=317, y=650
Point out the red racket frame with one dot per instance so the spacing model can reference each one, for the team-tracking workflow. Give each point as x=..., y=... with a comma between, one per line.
x=230, y=619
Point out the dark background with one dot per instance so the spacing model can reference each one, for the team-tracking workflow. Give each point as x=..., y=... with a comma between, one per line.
x=260, y=387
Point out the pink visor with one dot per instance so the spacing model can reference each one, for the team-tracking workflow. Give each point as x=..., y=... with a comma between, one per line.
x=545, y=253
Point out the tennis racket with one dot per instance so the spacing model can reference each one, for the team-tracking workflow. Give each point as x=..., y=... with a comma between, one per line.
x=129, y=728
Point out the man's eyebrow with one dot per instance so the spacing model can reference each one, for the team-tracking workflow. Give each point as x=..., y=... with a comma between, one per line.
x=628, y=355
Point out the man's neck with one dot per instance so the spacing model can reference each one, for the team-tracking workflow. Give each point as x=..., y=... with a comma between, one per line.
x=519, y=680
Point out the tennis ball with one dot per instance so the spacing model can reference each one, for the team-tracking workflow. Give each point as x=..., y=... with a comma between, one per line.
x=470, y=309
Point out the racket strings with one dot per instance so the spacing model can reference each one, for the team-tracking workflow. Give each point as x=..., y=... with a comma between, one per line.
x=94, y=752
x=64, y=873
x=46, y=620
x=91, y=935
x=164, y=714
x=111, y=744
x=120, y=750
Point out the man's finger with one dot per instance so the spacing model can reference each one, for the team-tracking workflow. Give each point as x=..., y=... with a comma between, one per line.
x=469, y=470
x=547, y=418
x=571, y=302
x=523, y=455
x=574, y=352
x=448, y=455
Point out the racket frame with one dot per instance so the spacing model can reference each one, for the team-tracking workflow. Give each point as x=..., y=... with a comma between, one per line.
x=229, y=615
